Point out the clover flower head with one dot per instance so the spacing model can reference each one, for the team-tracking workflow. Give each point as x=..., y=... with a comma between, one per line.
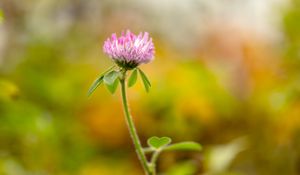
x=129, y=50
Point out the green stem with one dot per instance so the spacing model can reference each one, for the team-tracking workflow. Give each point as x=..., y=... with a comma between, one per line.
x=153, y=161
x=132, y=130
x=148, y=150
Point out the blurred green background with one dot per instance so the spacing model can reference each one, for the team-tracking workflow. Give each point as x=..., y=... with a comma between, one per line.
x=226, y=74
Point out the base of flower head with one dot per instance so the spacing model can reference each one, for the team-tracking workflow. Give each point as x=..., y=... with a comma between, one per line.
x=127, y=65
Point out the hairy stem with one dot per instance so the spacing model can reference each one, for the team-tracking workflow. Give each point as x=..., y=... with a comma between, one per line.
x=153, y=161
x=132, y=130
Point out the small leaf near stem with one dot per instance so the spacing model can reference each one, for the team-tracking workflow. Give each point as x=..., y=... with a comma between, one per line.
x=111, y=80
x=157, y=145
x=132, y=79
x=97, y=82
x=94, y=86
x=156, y=142
x=144, y=76
x=184, y=146
x=146, y=81
x=113, y=87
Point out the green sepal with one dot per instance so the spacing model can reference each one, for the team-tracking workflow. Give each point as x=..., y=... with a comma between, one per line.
x=156, y=142
x=145, y=80
x=133, y=77
x=184, y=146
x=97, y=82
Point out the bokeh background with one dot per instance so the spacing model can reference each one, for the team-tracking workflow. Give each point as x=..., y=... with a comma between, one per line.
x=226, y=74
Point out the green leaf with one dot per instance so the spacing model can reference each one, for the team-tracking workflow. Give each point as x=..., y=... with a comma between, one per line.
x=156, y=142
x=111, y=81
x=94, y=86
x=110, y=77
x=132, y=79
x=97, y=82
x=184, y=146
x=113, y=87
x=146, y=81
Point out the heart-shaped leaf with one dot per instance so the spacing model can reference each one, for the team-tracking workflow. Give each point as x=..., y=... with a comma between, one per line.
x=156, y=142
x=110, y=77
x=146, y=81
x=184, y=146
x=132, y=79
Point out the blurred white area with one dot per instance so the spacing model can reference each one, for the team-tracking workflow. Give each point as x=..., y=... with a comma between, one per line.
x=180, y=23
x=220, y=157
x=184, y=21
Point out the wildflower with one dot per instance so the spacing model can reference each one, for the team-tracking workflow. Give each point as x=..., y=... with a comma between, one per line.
x=129, y=50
